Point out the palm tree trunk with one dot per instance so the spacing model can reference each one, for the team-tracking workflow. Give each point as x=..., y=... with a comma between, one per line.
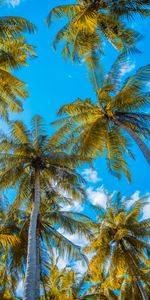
x=37, y=296
x=30, y=279
x=139, y=142
x=138, y=283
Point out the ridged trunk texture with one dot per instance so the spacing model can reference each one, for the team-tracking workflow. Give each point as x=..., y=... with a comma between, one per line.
x=37, y=295
x=30, y=279
x=137, y=280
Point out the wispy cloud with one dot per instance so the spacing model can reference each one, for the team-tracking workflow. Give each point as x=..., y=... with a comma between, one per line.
x=91, y=175
x=100, y=195
x=133, y=198
x=127, y=67
x=79, y=267
x=20, y=288
x=13, y=3
x=75, y=206
x=146, y=210
x=97, y=196
x=148, y=85
x=64, y=262
x=75, y=238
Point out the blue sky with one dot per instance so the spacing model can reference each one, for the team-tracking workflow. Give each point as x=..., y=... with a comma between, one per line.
x=53, y=82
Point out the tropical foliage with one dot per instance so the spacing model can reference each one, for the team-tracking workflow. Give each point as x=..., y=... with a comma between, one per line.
x=16, y=222
x=91, y=21
x=107, y=125
x=122, y=240
x=14, y=52
x=31, y=158
x=49, y=246
x=63, y=284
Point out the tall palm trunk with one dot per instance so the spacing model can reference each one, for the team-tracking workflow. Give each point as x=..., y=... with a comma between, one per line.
x=30, y=280
x=137, y=281
x=139, y=142
x=37, y=294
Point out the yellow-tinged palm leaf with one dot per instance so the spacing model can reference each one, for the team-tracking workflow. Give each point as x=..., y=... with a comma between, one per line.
x=128, y=247
x=63, y=10
x=9, y=239
x=110, y=123
x=14, y=52
x=11, y=26
x=87, y=23
x=20, y=132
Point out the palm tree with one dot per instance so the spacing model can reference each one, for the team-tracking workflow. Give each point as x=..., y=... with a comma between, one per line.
x=8, y=281
x=51, y=218
x=129, y=10
x=63, y=284
x=17, y=52
x=51, y=221
x=14, y=49
x=122, y=240
x=98, y=291
x=34, y=153
x=88, y=15
x=108, y=126
x=68, y=284
x=14, y=52
x=129, y=290
x=11, y=27
x=13, y=250
x=91, y=21
x=58, y=282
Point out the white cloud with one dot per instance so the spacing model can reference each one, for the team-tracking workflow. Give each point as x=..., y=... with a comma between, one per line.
x=75, y=206
x=97, y=196
x=132, y=199
x=100, y=195
x=146, y=210
x=13, y=3
x=20, y=288
x=127, y=67
x=75, y=238
x=63, y=262
x=91, y=175
x=135, y=196
x=79, y=265
x=148, y=85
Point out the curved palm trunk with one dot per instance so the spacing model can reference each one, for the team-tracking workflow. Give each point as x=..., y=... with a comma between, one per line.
x=139, y=142
x=30, y=280
x=37, y=293
x=138, y=283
